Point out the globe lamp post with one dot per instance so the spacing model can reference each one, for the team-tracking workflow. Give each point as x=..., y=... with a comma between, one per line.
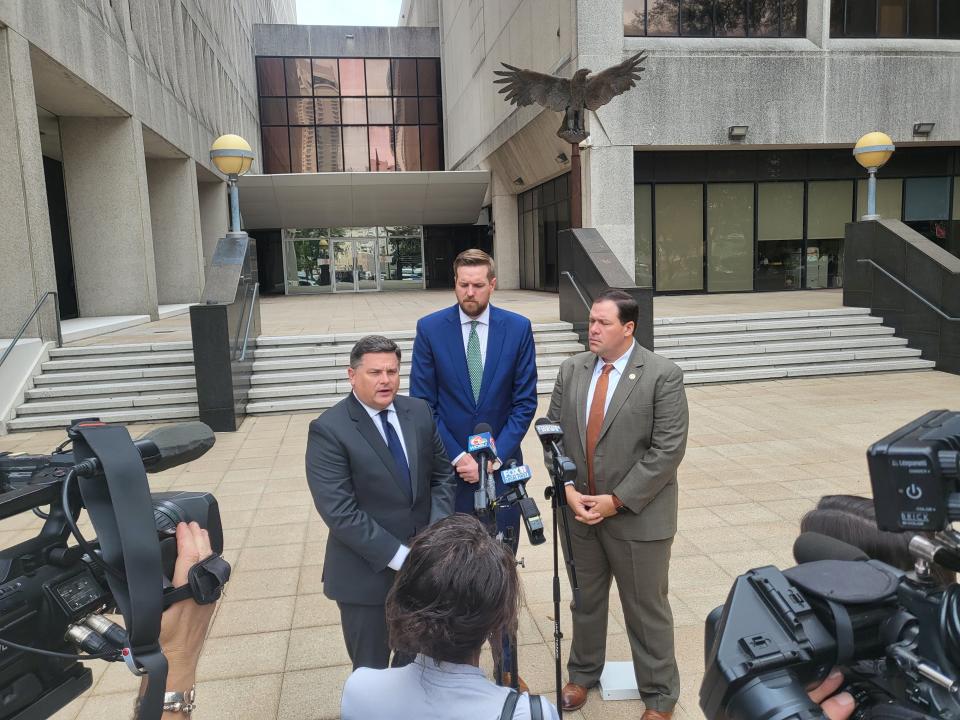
x=873, y=151
x=233, y=157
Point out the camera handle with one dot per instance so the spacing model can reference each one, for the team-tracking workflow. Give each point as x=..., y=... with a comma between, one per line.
x=562, y=471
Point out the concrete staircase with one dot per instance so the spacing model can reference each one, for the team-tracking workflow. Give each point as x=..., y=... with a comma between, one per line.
x=309, y=372
x=147, y=383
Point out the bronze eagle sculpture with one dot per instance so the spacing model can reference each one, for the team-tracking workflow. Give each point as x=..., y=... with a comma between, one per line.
x=571, y=97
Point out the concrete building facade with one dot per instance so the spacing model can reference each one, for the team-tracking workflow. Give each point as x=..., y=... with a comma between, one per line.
x=107, y=113
x=728, y=167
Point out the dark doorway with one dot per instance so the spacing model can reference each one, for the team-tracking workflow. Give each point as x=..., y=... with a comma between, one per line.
x=269, y=261
x=60, y=235
x=442, y=244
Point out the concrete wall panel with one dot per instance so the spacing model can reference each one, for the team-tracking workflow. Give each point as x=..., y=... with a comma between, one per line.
x=176, y=229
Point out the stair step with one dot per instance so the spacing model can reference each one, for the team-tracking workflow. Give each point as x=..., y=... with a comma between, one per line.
x=772, y=315
x=151, y=414
x=105, y=376
x=131, y=360
x=779, y=325
x=781, y=346
x=86, y=350
x=765, y=336
x=799, y=358
x=94, y=404
x=350, y=338
x=766, y=373
x=115, y=388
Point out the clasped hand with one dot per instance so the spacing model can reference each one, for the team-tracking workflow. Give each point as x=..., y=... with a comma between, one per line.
x=467, y=468
x=589, y=509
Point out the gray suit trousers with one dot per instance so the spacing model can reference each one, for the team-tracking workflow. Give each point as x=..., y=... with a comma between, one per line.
x=640, y=569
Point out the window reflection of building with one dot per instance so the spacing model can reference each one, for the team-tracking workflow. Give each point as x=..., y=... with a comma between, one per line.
x=352, y=114
x=543, y=212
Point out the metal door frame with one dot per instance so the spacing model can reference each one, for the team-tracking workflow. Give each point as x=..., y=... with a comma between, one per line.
x=353, y=254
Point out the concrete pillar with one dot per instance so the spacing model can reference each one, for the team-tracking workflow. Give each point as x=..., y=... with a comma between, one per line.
x=608, y=198
x=214, y=215
x=506, y=234
x=175, y=225
x=26, y=251
x=108, y=203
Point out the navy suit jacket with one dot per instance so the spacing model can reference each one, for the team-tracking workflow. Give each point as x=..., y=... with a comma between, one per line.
x=508, y=390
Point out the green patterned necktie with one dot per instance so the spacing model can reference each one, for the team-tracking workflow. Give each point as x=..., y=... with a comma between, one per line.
x=474, y=360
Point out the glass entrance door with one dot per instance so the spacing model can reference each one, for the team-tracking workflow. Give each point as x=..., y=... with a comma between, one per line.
x=355, y=264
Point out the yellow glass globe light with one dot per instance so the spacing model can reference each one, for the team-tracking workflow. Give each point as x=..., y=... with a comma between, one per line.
x=873, y=150
x=231, y=154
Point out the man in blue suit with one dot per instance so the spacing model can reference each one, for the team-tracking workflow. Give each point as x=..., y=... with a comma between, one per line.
x=475, y=363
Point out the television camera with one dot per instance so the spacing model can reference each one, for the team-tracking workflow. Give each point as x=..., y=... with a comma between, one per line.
x=54, y=596
x=894, y=633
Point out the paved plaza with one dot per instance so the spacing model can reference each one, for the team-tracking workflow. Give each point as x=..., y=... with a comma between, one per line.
x=759, y=456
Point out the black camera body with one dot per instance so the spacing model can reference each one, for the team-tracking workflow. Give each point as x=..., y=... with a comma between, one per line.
x=48, y=589
x=896, y=635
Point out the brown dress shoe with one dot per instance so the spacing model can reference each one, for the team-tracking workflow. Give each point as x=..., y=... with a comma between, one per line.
x=651, y=714
x=507, y=682
x=573, y=696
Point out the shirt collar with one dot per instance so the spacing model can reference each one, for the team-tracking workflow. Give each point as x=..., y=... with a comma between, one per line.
x=483, y=318
x=373, y=412
x=620, y=363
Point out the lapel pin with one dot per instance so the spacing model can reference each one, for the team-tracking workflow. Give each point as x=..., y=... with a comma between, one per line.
x=632, y=376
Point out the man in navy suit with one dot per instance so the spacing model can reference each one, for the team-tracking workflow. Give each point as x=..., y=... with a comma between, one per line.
x=475, y=363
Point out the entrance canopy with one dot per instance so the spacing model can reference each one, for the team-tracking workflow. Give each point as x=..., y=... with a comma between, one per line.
x=361, y=199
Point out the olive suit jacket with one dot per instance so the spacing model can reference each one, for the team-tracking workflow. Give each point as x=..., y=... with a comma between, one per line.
x=642, y=440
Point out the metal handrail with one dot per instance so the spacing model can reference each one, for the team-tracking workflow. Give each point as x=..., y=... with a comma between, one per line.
x=26, y=323
x=576, y=286
x=246, y=334
x=910, y=290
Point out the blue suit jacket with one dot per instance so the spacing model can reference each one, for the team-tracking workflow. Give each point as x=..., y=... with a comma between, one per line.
x=508, y=391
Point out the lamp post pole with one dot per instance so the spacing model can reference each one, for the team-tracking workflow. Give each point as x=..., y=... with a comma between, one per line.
x=234, y=204
x=872, y=152
x=871, y=195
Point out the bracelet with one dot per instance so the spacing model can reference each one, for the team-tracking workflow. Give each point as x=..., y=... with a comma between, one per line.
x=180, y=702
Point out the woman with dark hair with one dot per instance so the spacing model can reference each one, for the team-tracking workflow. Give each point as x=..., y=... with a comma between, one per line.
x=852, y=519
x=457, y=589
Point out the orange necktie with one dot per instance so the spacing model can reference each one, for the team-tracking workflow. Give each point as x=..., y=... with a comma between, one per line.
x=595, y=422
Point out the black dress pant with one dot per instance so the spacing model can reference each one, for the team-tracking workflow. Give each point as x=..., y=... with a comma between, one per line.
x=365, y=634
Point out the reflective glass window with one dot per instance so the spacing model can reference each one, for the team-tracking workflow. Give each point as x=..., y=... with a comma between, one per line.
x=891, y=18
x=299, y=76
x=273, y=111
x=429, y=111
x=679, y=237
x=889, y=198
x=643, y=235
x=696, y=18
x=949, y=19
x=764, y=18
x=355, y=155
x=430, y=148
x=793, y=18
x=633, y=11
x=329, y=149
x=352, y=80
x=270, y=76
x=926, y=199
x=729, y=237
x=404, y=76
x=300, y=111
x=731, y=19
x=779, y=265
x=405, y=111
x=923, y=18
x=303, y=150
x=378, y=77
x=326, y=77
x=353, y=111
x=428, y=76
x=327, y=111
x=380, y=111
x=780, y=211
x=663, y=17
x=861, y=19
x=276, y=150
x=408, y=147
x=381, y=149
x=829, y=208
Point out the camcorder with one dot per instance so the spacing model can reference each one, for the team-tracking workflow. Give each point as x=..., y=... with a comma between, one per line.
x=54, y=595
x=894, y=633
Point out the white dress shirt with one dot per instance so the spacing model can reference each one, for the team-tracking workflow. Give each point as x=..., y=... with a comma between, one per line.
x=483, y=332
x=394, y=420
x=618, y=367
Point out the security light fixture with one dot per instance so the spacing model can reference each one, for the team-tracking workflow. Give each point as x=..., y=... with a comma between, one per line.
x=737, y=132
x=518, y=181
x=562, y=158
x=923, y=128
x=349, y=36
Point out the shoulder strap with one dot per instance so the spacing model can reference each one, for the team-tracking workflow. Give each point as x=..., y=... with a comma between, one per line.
x=509, y=705
x=536, y=708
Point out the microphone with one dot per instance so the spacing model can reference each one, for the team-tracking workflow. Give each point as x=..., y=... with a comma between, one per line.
x=164, y=447
x=481, y=446
x=515, y=476
x=813, y=546
x=550, y=434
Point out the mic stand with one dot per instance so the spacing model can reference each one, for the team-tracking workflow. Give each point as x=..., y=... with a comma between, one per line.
x=563, y=471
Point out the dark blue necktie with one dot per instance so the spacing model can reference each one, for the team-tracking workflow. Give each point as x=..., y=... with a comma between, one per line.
x=396, y=449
